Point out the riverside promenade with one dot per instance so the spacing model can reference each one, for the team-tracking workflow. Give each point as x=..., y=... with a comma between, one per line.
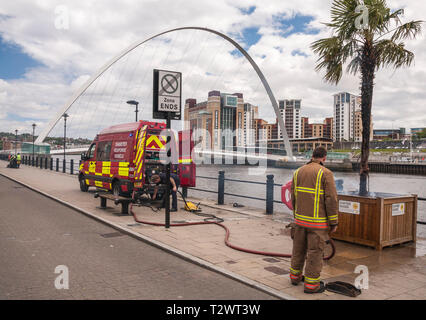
x=394, y=273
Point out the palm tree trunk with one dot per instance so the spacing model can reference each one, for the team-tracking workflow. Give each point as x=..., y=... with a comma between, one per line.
x=367, y=77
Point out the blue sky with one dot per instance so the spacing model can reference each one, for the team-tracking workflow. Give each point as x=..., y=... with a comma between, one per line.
x=43, y=65
x=286, y=27
x=13, y=62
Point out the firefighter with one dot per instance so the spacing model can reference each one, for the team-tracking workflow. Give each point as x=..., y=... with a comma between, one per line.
x=314, y=200
x=174, y=185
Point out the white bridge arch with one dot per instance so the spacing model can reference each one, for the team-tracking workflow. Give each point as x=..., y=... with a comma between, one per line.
x=70, y=102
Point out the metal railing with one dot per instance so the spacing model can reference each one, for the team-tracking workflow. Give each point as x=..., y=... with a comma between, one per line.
x=269, y=185
x=52, y=164
x=72, y=167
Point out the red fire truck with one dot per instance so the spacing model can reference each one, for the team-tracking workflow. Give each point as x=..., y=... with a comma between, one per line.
x=123, y=157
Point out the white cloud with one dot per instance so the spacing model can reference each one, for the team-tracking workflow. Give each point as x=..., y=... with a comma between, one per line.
x=99, y=30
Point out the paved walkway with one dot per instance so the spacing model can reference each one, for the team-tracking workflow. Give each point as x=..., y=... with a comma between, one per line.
x=394, y=273
x=37, y=234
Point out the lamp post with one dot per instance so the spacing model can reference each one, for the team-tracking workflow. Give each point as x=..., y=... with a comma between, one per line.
x=65, y=115
x=16, y=141
x=135, y=103
x=34, y=125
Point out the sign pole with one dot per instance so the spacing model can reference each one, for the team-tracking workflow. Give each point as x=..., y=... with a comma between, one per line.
x=167, y=101
x=167, y=195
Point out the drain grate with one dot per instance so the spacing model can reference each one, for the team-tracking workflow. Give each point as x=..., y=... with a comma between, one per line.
x=276, y=270
x=272, y=260
x=134, y=224
x=112, y=235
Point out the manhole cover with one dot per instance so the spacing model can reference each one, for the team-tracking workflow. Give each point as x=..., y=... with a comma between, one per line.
x=272, y=260
x=112, y=235
x=276, y=270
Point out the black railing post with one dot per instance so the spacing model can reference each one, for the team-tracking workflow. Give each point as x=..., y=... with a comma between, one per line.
x=221, y=188
x=72, y=166
x=41, y=163
x=57, y=164
x=32, y=161
x=45, y=163
x=185, y=192
x=270, y=194
x=36, y=162
x=64, y=166
x=51, y=163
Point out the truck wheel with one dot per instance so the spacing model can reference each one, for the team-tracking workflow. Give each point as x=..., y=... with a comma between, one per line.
x=83, y=186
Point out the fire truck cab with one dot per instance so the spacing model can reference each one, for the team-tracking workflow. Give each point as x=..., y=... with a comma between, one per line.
x=122, y=158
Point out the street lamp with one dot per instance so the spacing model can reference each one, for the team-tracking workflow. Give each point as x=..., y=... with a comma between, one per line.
x=65, y=115
x=135, y=103
x=34, y=125
x=16, y=141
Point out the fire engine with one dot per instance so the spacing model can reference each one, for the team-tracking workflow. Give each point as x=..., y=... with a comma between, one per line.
x=122, y=158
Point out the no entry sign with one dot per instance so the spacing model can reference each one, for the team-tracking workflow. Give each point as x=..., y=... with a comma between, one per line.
x=167, y=94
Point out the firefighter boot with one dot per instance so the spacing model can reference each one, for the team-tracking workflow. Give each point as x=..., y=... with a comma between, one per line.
x=296, y=276
x=318, y=287
x=295, y=280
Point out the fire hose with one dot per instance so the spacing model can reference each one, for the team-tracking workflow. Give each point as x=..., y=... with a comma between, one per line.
x=227, y=234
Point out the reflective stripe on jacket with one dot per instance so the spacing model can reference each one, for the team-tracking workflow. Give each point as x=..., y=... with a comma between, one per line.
x=314, y=196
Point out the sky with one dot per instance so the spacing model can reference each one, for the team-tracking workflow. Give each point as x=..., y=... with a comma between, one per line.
x=49, y=49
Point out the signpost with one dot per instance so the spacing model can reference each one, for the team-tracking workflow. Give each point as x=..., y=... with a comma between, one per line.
x=167, y=104
x=167, y=94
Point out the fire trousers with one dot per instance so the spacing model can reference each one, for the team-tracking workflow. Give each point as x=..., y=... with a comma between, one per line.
x=308, y=245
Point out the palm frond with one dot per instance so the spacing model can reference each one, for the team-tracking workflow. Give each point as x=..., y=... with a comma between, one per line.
x=408, y=30
x=331, y=58
x=390, y=53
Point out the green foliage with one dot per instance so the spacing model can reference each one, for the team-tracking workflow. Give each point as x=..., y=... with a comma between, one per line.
x=421, y=134
x=383, y=38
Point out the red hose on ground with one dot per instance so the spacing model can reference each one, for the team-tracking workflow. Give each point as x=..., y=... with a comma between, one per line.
x=227, y=234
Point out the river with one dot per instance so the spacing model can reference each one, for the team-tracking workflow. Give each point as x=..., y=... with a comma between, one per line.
x=379, y=182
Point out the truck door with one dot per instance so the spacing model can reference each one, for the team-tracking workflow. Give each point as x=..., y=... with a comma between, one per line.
x=187, y=169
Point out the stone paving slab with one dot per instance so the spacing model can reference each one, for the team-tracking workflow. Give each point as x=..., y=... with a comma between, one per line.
x=395, y=273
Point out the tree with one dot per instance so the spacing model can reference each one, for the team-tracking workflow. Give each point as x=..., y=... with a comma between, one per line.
x=421, y=134
x=375, y=43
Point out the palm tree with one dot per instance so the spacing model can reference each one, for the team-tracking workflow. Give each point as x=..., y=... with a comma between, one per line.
x=371, y=46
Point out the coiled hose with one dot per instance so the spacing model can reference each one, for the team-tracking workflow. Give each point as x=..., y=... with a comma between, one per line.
x=227, y=234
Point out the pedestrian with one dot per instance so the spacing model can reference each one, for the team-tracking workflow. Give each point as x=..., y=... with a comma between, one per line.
x=18, y=160
x=174, y=185
x=314, y=200
x=12, y=162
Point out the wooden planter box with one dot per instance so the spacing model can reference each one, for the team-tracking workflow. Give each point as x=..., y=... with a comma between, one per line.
x=377, y=220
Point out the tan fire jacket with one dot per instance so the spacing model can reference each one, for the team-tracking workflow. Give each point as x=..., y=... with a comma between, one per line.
x=314, y=196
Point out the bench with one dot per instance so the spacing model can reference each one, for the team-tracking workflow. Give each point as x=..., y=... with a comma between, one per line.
x=117, y=200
